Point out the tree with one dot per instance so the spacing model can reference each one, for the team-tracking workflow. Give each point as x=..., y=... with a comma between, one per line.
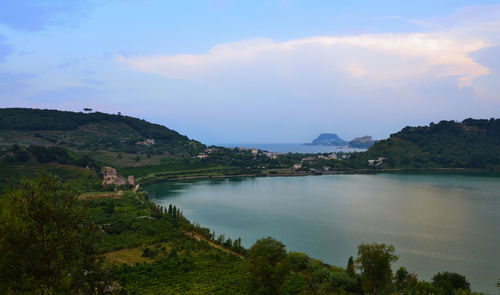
x=350, y=267
x=374, y=261
x=266, y=265
x=450, y=282
x=297, y=261
x=47, y=242
x=401, y=278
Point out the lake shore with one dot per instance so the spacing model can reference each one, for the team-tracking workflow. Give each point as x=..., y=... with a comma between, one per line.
x=315, y=173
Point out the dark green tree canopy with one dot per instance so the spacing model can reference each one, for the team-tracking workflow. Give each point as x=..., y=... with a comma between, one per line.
x=374, y=261
x=266, y=265
x=47, y=243
x=450, y=282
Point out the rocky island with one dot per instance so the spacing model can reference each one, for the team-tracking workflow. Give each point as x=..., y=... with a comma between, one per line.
x=328, y=139
x=332, y=139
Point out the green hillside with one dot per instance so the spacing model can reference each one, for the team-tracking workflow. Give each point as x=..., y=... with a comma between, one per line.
x=448, y=144
x=112, y=139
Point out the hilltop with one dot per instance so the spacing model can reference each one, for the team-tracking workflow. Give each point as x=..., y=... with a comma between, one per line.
x=471, y=143
x=115, y=139
x=361, y=142
x=328, y=139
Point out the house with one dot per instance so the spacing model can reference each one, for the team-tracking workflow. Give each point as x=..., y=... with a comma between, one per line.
x=376, y=162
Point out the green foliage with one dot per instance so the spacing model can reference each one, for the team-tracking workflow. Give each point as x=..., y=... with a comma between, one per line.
x=374, y=260
x=47, y=242
x=34, y=154
x=295, y=284
x=448, y=144
x=328, y=280
x=132, y=223
x=92, y=132
x=401, y=278
x=351, y=267
x=203, y=271
x=149, y=252
x=424, y=288
x=176, y=264
x=297, y=261
x=450, y=282
x=78, y=178
x=266, y=264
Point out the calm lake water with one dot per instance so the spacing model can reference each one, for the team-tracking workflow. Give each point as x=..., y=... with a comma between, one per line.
x=437, y=222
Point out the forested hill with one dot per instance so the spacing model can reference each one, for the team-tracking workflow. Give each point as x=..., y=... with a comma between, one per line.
x=100, y=133
x=447, y=144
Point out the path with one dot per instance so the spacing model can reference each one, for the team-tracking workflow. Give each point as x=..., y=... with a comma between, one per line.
x=200, y=238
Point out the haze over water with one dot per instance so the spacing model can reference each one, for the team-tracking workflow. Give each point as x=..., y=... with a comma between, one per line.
x=284, y=148
x=437, y=222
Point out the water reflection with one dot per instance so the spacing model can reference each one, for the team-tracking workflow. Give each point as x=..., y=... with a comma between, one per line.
x=437, y=222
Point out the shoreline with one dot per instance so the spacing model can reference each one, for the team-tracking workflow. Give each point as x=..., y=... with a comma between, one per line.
x=336, y=172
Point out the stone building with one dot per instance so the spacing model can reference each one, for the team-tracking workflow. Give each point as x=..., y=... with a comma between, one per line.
x=111, y=176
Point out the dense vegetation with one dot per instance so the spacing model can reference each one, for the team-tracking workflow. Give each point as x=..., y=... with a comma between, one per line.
x=47, y=242
x=447, y=144
x=120, y=242
x=53, y=243
x=117, y=139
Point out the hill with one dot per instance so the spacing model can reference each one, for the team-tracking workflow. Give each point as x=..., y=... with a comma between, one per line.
x=361, y=142
x=448, y=144
x=328, y=139
x=113, y=139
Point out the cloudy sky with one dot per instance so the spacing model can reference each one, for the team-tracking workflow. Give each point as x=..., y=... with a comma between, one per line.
x=256, y=71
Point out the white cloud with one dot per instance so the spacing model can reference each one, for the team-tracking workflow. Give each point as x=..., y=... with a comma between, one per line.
x=377, y=59
x=367, y=61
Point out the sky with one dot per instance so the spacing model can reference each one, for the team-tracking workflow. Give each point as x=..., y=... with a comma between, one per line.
x=256, y=71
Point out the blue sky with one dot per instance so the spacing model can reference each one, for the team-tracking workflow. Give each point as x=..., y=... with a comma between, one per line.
x=256, y=71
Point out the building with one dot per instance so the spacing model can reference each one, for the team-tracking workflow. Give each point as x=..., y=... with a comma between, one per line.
x=111, y=176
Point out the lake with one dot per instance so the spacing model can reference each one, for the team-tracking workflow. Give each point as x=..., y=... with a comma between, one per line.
x=437, y=222
x=284, y=148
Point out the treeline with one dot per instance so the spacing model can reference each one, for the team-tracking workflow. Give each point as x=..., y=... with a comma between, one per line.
x=447, y=144
x=36, y=119
x=273, y=270
x=176, y=215
x=228, y=243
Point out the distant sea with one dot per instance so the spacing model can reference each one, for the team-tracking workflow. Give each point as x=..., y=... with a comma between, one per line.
x=294, y=148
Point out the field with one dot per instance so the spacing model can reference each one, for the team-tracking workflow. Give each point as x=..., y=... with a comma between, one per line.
x=152, y=255
x=78, y=178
